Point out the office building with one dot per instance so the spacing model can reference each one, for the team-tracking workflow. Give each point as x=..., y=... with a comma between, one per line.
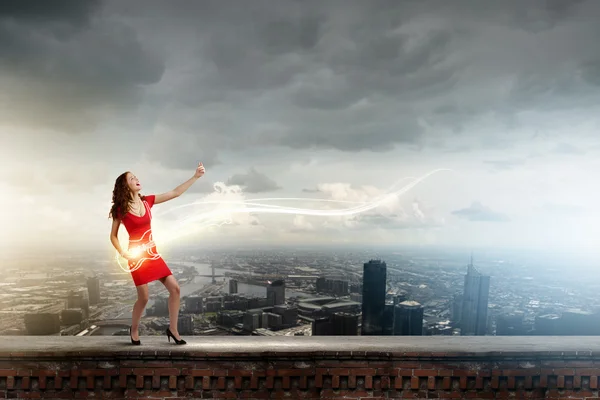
x=345, y=324
x=475, y=303
x=276, y=292
x=42, y=323
x=194, y=304
x=93, y=287
x=408, y=319
x=336, y=287
x=374, y=290
x=233, y=286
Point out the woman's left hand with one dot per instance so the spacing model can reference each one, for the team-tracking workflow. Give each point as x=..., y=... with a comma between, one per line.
x=199, y=171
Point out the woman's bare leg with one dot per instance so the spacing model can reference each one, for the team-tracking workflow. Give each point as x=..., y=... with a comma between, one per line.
x=138, y=309
x=174, y=299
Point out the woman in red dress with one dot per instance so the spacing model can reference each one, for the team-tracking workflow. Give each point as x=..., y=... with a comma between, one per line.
x=132, y=210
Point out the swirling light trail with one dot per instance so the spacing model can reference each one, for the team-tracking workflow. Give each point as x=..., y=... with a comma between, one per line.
x=207, y=219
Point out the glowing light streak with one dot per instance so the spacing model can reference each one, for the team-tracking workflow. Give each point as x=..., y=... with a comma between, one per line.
x=207, y=219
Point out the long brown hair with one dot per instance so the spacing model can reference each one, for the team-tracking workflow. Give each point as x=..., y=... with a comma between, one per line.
x=121, y=197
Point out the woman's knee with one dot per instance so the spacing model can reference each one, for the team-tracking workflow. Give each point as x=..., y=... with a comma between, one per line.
x=175, y=289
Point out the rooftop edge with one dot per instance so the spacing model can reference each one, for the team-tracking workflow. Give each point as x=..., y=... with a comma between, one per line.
x=323, y=346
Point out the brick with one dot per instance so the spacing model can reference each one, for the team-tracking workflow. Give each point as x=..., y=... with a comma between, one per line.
x=143, y=371
x=586, y=371
x=205, y=382
x=511, y=382
x=564, y=371
x=201, y=372
x=246, y=372
x=431, y=382
x=479, y=383
x=361, y=372
x=425, y=372
x=335, y=381
x=414, y=382
x=345, y=371
x=446, y=383
x=404, y=372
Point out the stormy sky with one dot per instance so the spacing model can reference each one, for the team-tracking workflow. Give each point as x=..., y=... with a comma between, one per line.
x=333, y=100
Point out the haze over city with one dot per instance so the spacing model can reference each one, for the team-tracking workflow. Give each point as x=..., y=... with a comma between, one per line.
x=334, y=100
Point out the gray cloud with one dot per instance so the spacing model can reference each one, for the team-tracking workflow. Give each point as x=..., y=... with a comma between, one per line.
x=366, y=77
x=349, y=75
x=202, y=186
x=54, y=178
x=254, y=182
x=178, y=150
x=568, y=149
x=478, y=212
x=505, y=165
x=62, y=68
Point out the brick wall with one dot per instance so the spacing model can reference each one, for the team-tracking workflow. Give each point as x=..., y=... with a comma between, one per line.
x=300, y=368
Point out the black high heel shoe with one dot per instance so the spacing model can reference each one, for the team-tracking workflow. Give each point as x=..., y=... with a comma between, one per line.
x=135, y=342
x=170, y=335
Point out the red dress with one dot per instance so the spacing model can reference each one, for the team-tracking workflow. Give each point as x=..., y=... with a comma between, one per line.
x=151, y=266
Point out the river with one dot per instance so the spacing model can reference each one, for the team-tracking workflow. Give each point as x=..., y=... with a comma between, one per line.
x=200, y=281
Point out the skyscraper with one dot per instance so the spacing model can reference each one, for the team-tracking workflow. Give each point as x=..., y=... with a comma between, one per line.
x=408, y=318
x=473, y=320
x=93, y=287
x=373, y=305
x=276, y=292
x=233, y=286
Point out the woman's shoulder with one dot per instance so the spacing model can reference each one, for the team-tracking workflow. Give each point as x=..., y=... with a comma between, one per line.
x=149, y=199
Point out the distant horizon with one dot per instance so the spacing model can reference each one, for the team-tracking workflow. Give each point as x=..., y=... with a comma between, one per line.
x=480, y=253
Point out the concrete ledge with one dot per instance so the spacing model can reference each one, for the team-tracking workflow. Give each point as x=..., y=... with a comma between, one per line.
x=321, y=346
x=300, y=367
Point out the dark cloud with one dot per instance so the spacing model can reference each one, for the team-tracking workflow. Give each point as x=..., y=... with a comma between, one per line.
x=74, y=12
x=64, y=68
x=177, y=150
x=345, y=75
x=254, y=182
x=478, y=212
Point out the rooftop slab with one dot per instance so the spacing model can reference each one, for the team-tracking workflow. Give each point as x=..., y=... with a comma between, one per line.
x=473, y=346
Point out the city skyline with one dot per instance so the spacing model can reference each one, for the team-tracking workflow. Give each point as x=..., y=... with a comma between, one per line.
x=335, y=101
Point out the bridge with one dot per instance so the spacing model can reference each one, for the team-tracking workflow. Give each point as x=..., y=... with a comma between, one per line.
x=213, y=276
x=322, y=367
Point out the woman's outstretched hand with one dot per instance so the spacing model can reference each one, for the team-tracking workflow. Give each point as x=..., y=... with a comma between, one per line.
x=199, y=171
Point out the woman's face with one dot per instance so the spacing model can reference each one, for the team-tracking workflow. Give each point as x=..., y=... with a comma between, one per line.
x=133, y=183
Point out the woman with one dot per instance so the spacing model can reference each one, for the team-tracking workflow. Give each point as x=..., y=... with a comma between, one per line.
x=132, y=210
